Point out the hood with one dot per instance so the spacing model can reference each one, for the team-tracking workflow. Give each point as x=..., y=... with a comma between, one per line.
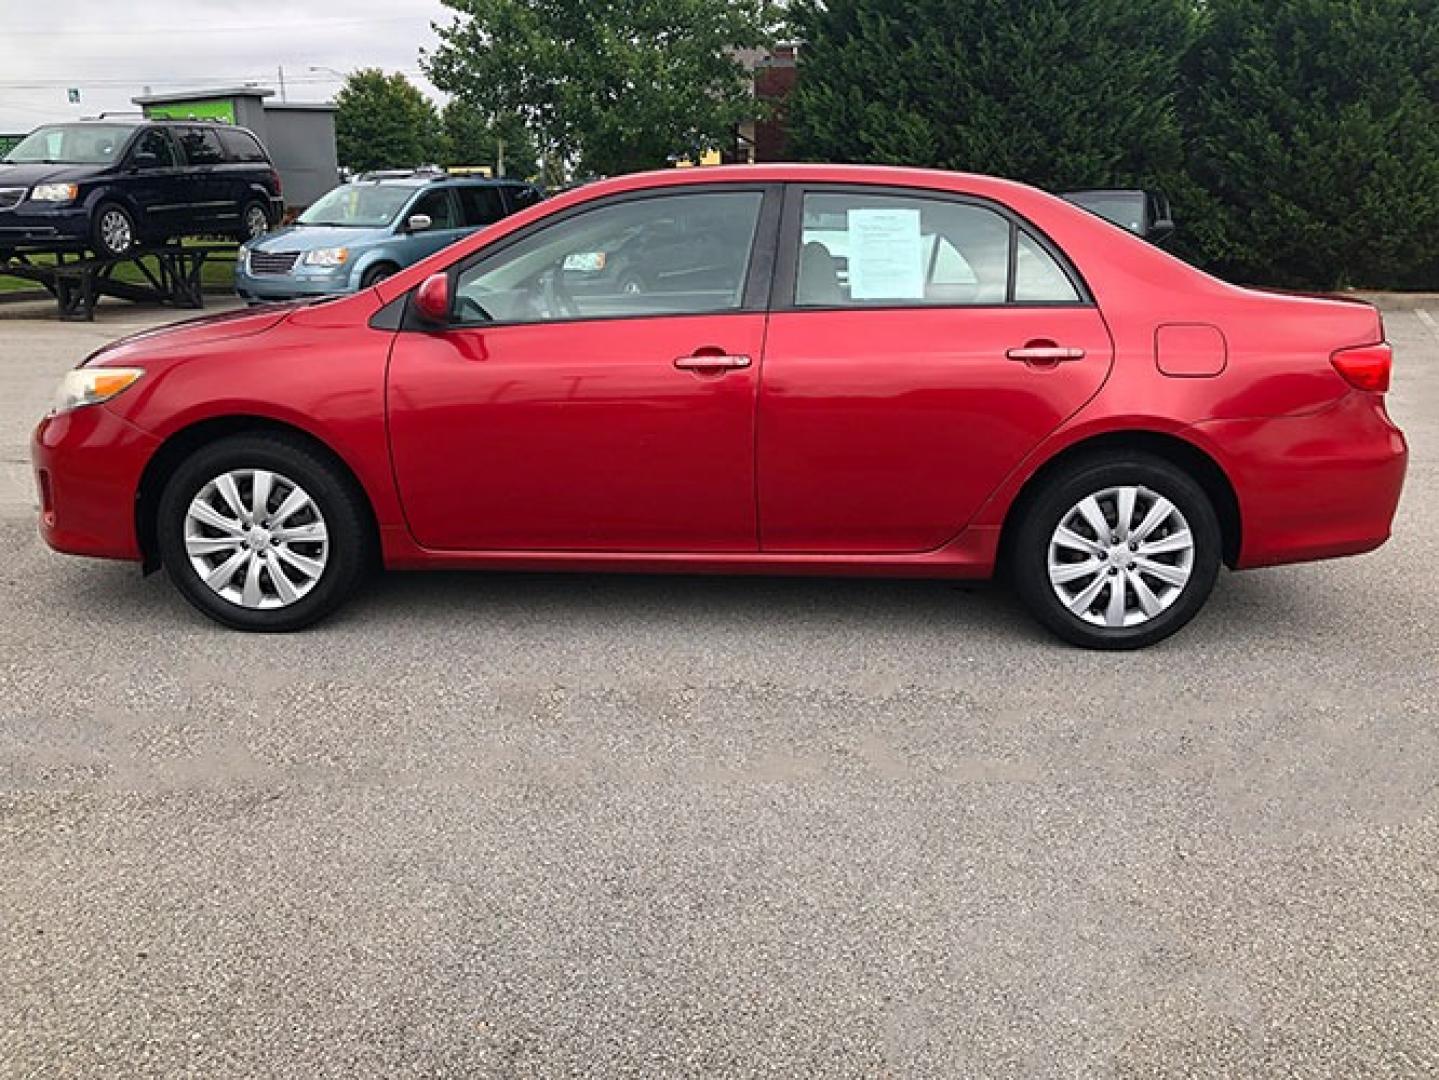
x=28, y=175
x=245, y=322
x=310, y=237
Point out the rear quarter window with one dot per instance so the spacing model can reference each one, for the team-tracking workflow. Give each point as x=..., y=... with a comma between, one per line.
x=241, y=146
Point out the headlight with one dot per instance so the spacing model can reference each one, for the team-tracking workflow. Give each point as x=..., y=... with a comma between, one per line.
x=90, y=386
x=326, y=257
x=54, y=192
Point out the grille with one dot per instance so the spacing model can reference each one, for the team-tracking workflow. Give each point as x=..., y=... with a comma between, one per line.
x=10, y=197
x=272, y=262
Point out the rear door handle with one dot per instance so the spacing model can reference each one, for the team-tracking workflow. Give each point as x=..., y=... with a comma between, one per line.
x=712, y=364
x=1045, y=354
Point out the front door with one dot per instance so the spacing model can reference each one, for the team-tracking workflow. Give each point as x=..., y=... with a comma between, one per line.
x=568, y=410
x=921, y=346
x=150, y=178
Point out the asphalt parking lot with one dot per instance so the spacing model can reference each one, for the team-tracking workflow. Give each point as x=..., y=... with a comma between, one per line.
x=515, y=826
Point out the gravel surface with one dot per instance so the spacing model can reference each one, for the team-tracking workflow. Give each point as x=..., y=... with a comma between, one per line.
x=548, y=826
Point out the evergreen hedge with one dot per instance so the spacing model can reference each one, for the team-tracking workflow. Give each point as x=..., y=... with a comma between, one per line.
x=1298, y=139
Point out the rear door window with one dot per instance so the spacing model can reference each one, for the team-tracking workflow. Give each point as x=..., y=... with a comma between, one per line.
x=200, y=145
x=480, y=205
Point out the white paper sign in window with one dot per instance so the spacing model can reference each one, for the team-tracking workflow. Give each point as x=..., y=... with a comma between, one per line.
x=886, y=257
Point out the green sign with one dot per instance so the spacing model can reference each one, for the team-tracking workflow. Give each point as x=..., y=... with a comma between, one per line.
x=222, y=109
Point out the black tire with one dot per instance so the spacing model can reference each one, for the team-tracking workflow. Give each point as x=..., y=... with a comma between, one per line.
x=1060, y=494
x=375, y=274
x=253, y=209
x=113, y=232
x=340, y=504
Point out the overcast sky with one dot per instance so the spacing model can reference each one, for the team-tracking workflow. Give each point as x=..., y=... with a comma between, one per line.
x=113, y=49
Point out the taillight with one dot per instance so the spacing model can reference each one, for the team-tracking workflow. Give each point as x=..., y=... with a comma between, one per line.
x=1365, y=367
x=275, y=179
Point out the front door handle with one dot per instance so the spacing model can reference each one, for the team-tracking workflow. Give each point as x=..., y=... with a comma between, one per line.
x=1045, y=354
x=712, y=365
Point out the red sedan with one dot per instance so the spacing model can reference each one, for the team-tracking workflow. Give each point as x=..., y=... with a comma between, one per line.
x=788, y=369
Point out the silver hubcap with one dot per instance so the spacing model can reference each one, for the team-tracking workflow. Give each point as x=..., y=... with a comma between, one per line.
x=256, y=538
x=115, y=230
x=256, y=222
x=1121, y=556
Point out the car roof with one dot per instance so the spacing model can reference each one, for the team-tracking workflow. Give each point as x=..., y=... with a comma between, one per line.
x=424, y=180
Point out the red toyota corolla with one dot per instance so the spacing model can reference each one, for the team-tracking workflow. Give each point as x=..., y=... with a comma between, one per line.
x=787, y=369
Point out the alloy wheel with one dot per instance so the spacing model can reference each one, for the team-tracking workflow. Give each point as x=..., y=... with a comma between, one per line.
x=115, y=231
x=1121, y=556
x=257, y=223
x=256, y=538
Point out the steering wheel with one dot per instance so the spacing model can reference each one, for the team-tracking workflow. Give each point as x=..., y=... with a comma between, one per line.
x=558, y=301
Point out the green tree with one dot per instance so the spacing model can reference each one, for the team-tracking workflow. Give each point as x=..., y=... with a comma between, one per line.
x=1059, y=93
x=1313, y=128
x=472, y=138
x=613, y=86
x=385, y=122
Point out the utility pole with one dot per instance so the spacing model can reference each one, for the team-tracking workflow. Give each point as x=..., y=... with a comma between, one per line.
x=500, y=157
x=282, y=83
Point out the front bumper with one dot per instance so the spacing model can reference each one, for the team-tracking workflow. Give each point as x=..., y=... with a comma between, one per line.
x=41, y=223
x=1316, y=486
x=88, y=464
x=266, y=288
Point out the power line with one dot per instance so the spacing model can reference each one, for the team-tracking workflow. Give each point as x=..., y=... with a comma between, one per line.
x=69, y=32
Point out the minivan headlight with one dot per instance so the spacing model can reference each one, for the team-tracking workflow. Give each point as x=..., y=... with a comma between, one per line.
x=326, y=257
x=90, y=386
x=54, y=192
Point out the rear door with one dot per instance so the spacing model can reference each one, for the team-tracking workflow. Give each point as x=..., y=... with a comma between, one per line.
x=921, y=345
x=480, y=205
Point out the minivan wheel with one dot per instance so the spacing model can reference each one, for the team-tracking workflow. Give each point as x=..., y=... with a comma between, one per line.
x=261, y=532
x=1117, y=552
x=376, y=274
x=254, y=222
x=114, y=230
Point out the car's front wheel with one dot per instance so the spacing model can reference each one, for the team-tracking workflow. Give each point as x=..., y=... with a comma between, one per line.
x=262, y=532
x=1117, y=552
x=114, y=231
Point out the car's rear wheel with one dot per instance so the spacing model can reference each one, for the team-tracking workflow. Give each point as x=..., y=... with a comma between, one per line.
x=114, y=232
x=261, y=532
x=254, y=221
x=1117, y=552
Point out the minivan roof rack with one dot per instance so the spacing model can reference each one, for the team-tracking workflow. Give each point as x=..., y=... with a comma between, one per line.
x=434, y=172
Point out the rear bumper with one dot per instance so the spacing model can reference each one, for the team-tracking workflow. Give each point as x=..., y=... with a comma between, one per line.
x=88, y=465
x=1313, y=487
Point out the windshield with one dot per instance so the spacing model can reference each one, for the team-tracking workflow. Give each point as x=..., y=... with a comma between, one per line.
x=72, y=144
x=365, y=206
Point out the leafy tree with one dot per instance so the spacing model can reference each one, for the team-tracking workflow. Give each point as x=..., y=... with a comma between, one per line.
x=615, y=86
x=1059, y=93
x=1314, y=137
x=472, y=138
x=385, y=122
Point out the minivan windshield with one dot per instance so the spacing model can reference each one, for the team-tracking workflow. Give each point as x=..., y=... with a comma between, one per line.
x=72, y=144
x=363, y=206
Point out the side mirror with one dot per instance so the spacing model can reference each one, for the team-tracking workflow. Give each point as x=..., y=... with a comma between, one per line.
x=432, y=299
x=1160, y=230
x=418, y=223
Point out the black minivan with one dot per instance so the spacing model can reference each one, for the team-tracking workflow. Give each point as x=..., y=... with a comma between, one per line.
x=113, y=185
